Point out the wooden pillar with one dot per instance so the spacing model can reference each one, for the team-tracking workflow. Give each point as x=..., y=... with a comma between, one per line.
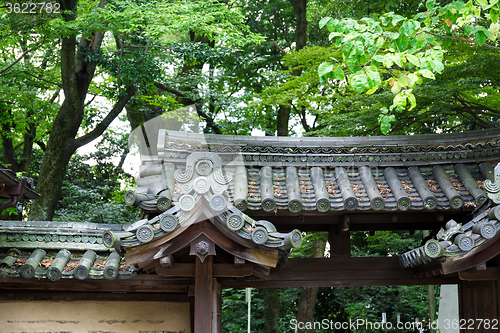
x=203, y=295
x=340, y=239
x=217, y=307
x=479, y=300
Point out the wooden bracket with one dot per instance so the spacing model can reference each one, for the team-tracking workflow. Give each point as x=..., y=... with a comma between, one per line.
x=202, y=246
x=167, y=261
x=238, y=262
x=481, y=266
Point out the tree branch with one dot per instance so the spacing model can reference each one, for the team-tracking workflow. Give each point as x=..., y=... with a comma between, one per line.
x=103, y=125
x=462, y=40
x=39, y=78
x=20, y=57
x=278, y=47
x=176, y=92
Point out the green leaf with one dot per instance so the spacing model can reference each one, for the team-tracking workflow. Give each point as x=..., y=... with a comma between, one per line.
x=494, y=15
x=412, y=59
x=412, y=79
x=324, y=21
x=380, y=42
x=338, y=74
x=379, y=58
x=347, y=49
x=402, y=43
x=359, y=82
x=429, y=4
x=334, y=34
x=385, y=123
x=400, y=100
x=325, y=68
x=412, y=100
x=360, y=48
x=408, y=28
x=398, y=59
x=427, y=74
x=332, y=25
x=437, y=66
x=388, y=60
x=372, y=90
x=374, y=78
x=403, y=81
x=480, y=37
x=396, y=19
x=396, y=88
x=494, y=30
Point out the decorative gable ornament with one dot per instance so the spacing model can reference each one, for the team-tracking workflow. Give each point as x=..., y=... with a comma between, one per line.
x=493, y=188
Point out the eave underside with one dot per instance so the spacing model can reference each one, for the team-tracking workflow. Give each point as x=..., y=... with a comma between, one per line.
x=303, y=272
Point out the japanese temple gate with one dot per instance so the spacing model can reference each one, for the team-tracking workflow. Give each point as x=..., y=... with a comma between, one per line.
x=225, y=211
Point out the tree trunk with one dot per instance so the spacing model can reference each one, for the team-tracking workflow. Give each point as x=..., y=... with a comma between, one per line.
x=271, y=311
x=300, y=8
x=282, y=120
x=76, y=76
x=307, y=300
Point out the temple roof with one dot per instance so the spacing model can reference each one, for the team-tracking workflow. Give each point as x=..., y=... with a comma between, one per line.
x=457, y=247
x=56, y=250
x=397, y=173
x=213, y=194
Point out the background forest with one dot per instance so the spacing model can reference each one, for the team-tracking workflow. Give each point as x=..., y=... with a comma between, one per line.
x=249, y=66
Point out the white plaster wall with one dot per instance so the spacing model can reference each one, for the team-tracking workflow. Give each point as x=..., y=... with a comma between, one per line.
x=448, y=309
x=93, y=317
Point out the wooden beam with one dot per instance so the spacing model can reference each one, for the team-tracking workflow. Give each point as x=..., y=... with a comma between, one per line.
x=20, y=295
x=340, y=283
x=341, y=272
x=203, y=294
x=219, y=270
x=143, y=283
x=359, y=220
x=490, y=273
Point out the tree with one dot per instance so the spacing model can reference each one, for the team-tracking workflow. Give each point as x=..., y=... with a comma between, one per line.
x=400, y=53
x=128, y=67
x=93, y=188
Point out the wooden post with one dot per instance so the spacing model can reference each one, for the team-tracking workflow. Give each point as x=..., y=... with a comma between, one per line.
x=479, y=300
x=217, y=307
x=203, y=294
x=340, y=239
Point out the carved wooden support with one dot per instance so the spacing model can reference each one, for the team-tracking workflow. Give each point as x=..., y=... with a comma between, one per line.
x=167, y=261
x=238, y=262
x=202, y=247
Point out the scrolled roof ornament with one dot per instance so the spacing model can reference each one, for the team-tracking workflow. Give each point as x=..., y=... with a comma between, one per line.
x=201, y=185
x=187, y=202
x=493, y=188
x=204, y=167
x=259, y=235
x=183, y=176
x=168, y=222
x=222, y=178
x=218, y=203
x=235, y=222
x=145, y=233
